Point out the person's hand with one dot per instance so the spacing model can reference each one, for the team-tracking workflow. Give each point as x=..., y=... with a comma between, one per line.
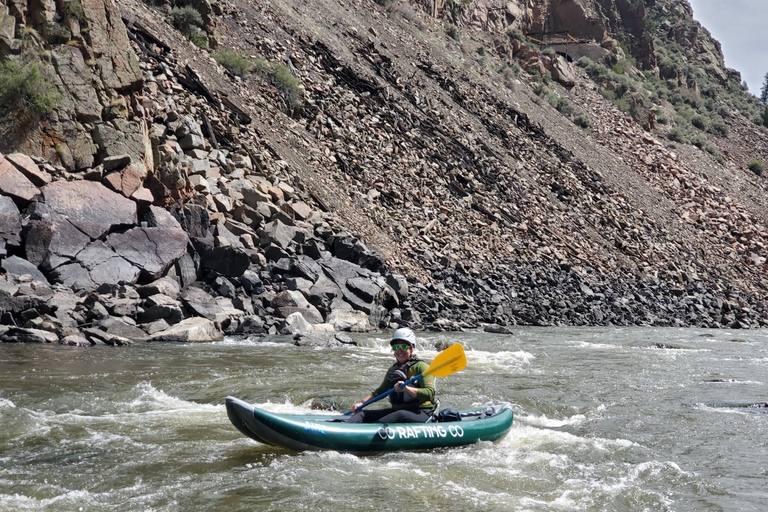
x=355, y=406
x=400, y=386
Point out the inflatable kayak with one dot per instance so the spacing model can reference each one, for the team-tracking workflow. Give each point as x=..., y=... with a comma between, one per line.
x=321, y=432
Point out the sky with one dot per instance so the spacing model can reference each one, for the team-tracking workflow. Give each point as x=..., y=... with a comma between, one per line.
x=741, y=26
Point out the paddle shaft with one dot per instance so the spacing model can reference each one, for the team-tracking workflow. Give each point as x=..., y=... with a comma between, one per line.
x=386, y=394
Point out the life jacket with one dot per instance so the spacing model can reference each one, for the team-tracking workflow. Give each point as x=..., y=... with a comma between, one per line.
x=393, y=378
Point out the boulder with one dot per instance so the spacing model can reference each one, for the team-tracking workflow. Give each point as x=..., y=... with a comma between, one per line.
x=194, y=329
x=90, y=206
x=226, y=260
x=352, y=249
x=10, y=221
x=201, y=303
x=18, y=267
x=349, y=320
x=289, y=302
x=153, y=250
x=165, y=285
x=106, y=266
x=29, y=169
x=22, y=335
x=116, y=327
x=282, y=235
x=52, y=240
x=13, y=183
x=322, y=339
x=97, y=336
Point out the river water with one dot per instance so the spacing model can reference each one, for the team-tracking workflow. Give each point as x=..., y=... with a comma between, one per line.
x=605, y=419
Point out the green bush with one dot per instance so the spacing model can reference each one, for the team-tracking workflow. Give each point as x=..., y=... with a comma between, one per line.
x=281, y=77
x=516, y=33
x=678, y=135
x=582, y=120
x=74, y=9
x=23, y=87
x=200, y=40
x=286, y=83
x=719, y=128
x=756, y=167
x=700, y=123
x=452, y=32
x=233, y=61
x=186, y=20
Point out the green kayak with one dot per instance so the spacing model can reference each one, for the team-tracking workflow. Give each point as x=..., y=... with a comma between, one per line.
x=320, y=432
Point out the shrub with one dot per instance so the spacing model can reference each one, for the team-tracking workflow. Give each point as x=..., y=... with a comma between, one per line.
x=186, y=20
x=200, y=40
x=281, y=77
x=756, y=167
x=561, y=104
x=699, y=142
x=699, y=122
x=452, y=32
x=286, y=83
x=233, y=61
x=582, y=120
x=23, y=87
x=516, y=33
x=677, y=135
x=74, y=9
x=720, y=128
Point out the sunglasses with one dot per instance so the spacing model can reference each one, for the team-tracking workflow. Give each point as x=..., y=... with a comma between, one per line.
x=401, y=347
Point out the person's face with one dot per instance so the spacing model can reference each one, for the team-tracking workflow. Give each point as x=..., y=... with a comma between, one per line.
x=403, y=351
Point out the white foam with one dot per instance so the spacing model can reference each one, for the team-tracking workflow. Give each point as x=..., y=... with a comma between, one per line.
x=499, y=359
x=6, y=404
x=543, y=421
x=150, y=399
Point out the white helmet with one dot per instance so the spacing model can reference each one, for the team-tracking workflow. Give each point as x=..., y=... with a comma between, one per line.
x=404, y=334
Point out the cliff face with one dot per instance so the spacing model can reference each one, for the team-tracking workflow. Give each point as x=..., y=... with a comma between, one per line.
x=502, y=201
x=81, y=47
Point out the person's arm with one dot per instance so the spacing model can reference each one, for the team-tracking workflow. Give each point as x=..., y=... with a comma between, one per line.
x=358, y=404
x=423, y=390
x=383, y=387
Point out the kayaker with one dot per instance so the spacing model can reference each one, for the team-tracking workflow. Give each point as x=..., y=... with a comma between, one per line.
x=413, y=403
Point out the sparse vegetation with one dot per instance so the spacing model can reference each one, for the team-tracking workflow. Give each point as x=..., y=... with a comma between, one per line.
x=756, y=167
x=451, y=31
x=74, y=9
x=283, y=80
x=233, y=61
x=24, y=88
x=186, y=20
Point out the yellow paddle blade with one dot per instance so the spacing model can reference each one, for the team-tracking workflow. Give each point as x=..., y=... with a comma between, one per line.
x=448, y=362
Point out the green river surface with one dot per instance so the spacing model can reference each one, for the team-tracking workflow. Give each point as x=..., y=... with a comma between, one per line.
x=605, y=419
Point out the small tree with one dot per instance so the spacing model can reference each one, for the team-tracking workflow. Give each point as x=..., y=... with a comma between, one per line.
x=187, y=20
x=23, y=87
x=764, y=91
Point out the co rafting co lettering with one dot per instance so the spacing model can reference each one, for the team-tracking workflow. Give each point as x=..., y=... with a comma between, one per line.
x=424, y=431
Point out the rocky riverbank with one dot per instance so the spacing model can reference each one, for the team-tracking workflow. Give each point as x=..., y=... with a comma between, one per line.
x=195, y=204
